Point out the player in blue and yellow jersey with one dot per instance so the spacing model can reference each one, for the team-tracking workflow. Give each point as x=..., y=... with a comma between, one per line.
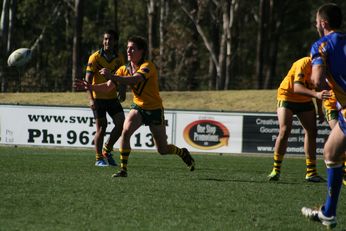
x=294, y=97
x=147, y=107
x=329, y=71
x=106, y=102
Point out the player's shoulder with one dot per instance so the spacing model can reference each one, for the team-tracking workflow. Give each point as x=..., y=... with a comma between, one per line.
x=305, y=61
x=95, y=55
x=148, y=63
x=322, y=42
x=123, y=70
x=148, y=66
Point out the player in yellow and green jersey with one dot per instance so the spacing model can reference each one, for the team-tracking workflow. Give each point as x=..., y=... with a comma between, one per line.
x=294, y=97
x=147, y=107
x=106, y=102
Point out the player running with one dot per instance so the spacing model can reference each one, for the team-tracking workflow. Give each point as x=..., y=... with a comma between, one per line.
x=147, y=107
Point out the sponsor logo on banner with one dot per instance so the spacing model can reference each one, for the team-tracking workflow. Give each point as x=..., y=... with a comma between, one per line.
x=206, y=134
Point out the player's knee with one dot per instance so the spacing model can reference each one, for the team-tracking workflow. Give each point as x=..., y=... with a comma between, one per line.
x=333, y=163
x=331, y=159
x=283, y=135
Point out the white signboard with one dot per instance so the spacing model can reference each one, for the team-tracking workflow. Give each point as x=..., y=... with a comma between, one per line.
x=209, y=132
x=62, y=126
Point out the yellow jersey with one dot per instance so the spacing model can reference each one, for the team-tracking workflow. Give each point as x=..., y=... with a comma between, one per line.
x=331, y=103
x=99, y=60
x=146, y=93
x=300, y=72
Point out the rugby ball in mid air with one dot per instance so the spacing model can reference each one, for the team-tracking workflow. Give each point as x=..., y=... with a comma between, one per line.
x=19, y=57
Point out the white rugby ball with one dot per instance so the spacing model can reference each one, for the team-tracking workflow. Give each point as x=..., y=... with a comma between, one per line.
x=19, y=57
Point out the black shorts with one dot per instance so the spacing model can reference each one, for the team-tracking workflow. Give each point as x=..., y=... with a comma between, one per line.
x=103, y=106
x=150, y=117
x=296, y=107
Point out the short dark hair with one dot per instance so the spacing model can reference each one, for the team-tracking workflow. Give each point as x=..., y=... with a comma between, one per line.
x=113, y=34
x=332, y=14
x=141, y=44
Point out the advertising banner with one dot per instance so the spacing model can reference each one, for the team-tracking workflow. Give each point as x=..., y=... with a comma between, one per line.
x=261, y=131
x=209, y=132
x=62, y=126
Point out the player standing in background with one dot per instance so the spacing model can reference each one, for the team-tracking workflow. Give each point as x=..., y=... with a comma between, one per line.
x=146, y=108
x=329, y=71
x=294, y=96
x=106, y=102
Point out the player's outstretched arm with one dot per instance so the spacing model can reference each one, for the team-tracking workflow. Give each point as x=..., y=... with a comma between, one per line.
x=125, y=80
x=81, y=85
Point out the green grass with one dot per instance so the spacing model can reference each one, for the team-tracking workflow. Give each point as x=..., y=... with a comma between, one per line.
x=235, y=100
x=60, y=189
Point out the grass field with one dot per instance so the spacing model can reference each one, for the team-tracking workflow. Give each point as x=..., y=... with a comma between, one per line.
x=60, y=189
x=235, y=100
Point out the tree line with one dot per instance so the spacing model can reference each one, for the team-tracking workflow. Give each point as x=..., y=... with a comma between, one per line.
x=196, y=45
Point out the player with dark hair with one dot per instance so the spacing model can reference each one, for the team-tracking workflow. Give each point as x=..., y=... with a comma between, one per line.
x=329, y=71
x=294, y=97
x=106, y=102
x=146, y=108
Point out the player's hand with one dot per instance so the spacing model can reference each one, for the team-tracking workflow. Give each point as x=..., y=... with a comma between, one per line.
x=81, y=85
x=322, y=95
x=106, y=73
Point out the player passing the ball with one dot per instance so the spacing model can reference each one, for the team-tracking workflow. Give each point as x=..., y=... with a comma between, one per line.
x=329, y=71
x=294, y=96
x=106, y=102
x=147, y=107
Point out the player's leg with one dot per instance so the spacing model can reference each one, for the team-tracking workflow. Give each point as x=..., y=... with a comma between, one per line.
x=116, y=112
x=118, y=121
x=101, y=126
x=285, y=117
x=334, y=153
x=156, y=121
x=332, y=118
x=160, y=137
x=331, y=115
x=132, y=122
x=308, y=121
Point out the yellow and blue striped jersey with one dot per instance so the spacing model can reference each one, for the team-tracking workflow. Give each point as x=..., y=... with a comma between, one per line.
x=330, y=51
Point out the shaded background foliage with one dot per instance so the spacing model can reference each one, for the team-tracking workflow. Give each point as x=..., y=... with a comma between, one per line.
x=177, y=47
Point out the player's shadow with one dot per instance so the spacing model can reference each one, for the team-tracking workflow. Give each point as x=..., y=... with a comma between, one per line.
x=248, y=181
